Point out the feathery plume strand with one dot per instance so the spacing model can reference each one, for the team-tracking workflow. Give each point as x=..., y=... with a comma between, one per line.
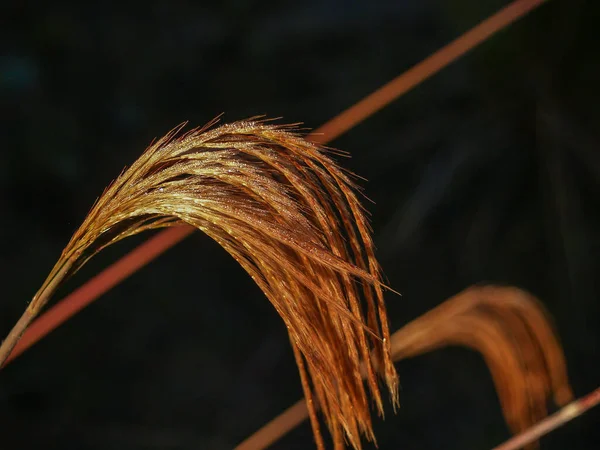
x=291, y=217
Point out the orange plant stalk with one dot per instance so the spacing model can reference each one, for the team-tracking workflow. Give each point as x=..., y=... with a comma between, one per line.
x=556, y=420
x=98, y=285
x=425, y=69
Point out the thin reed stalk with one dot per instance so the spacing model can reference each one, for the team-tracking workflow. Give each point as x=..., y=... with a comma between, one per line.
x=551, y=423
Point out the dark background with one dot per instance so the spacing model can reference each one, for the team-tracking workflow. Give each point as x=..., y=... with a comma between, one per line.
x=487, y=172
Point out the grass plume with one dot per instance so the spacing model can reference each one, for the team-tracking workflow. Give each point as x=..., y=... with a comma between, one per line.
x=512, y=331
x=292, y=219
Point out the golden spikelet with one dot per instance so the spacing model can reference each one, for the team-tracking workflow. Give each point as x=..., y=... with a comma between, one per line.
x=511, y=330
x=290, y=216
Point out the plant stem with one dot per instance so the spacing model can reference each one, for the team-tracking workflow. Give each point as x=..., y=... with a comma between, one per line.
x=566, y=414
x=276, y=428
x=57, y=275
x=15, y=334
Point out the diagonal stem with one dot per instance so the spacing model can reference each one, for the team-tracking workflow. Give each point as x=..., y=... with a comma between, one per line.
x=276, y=428
x=296, y=414
x=425, y=69
x=98, y=285
x=550, y=423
